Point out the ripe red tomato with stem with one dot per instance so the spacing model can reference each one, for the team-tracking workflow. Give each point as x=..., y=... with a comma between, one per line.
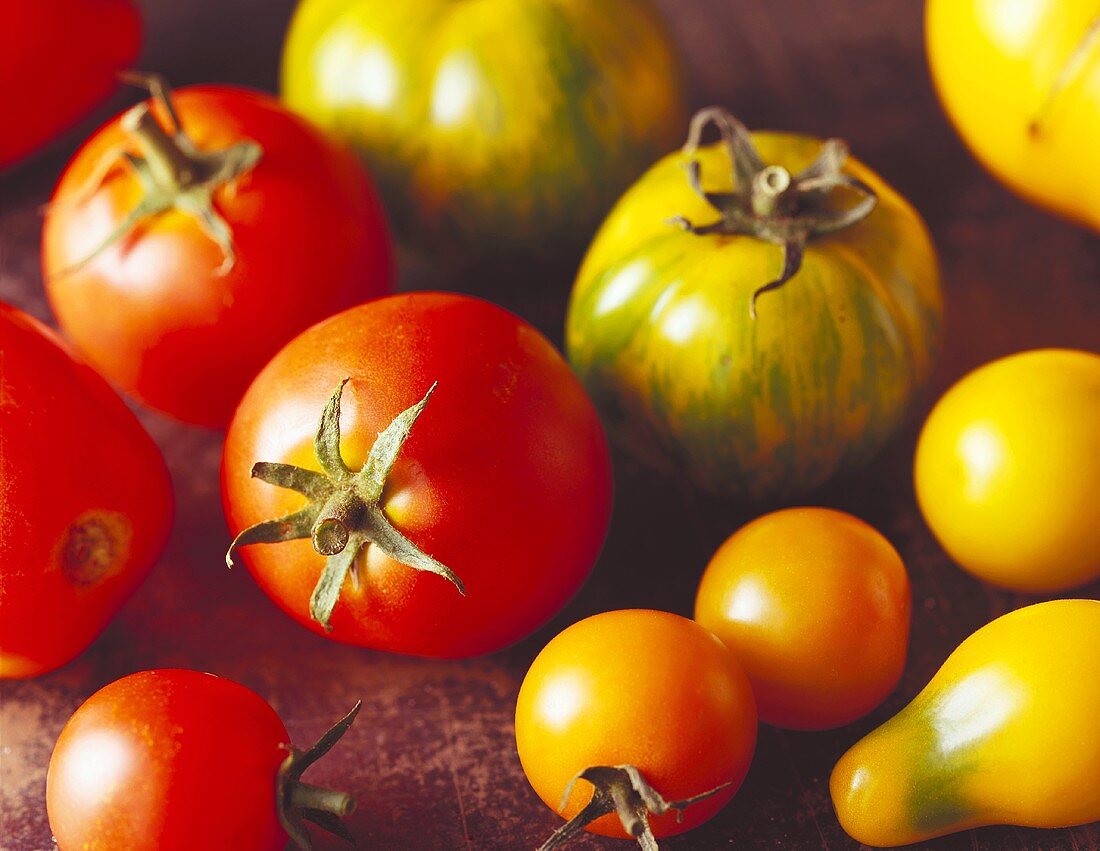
x=216, y=225
x=59, y=59
x=454, y=496
x=85, y=500
x=175, y=760
x=651, y=710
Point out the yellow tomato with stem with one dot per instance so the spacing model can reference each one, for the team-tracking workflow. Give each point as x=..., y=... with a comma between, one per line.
x=1020, y=80
x=1007, y=469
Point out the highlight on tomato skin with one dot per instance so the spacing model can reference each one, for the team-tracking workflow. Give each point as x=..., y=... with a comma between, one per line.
x=1017, y=80
x=240, y=225
x=1006, y=469
x=1004, y=733
x=639, y=688
x=86, y=502
x=501, y=479
x=496, y=128
x=176, y=760
x=815, y=604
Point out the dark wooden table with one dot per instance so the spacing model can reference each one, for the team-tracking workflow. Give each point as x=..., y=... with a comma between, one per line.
x=432, y=759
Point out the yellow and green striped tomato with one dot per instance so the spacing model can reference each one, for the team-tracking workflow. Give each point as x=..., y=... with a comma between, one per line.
x=660, y=331
x=492, y=126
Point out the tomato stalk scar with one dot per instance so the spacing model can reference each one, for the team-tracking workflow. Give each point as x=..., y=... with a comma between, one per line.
x=767, y=201
x=344, y=514
x=620, y=789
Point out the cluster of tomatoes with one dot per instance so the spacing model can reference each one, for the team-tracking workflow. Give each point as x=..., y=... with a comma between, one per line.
x=424, y=473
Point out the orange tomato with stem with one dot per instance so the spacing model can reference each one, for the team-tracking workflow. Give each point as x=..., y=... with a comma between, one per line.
x=815, y=605
x=645, y=706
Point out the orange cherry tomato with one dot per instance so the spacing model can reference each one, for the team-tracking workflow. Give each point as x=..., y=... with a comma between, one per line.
x=815, y=604
x=642, y=688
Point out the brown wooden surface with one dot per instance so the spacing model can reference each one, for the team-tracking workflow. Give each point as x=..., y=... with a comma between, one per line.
x=432, y=759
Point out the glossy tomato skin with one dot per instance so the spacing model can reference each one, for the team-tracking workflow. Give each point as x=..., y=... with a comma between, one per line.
x=660, y=331
x=1007, y=466
x=497, y=127
x=815, y=605
x=506, y=477
x=168, y=760
x=643, y=688
x=1004, y=733
x=59, y=59
x=310, y=236
x=997, y=65
x=85, y=500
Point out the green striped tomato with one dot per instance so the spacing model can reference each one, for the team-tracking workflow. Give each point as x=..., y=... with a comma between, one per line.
x=492, y=126
x=660, y=331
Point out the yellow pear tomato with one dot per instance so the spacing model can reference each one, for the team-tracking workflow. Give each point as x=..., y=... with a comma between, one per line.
x=1005, y=733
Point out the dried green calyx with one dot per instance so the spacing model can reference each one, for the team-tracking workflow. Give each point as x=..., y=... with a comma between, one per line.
x=299, y=802
x=767, y=201
x=173, y=173
x=344, y=512
x=620, y=789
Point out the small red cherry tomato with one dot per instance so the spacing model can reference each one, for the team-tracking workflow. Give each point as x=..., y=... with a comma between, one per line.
x=419, y=434
x=815, y=604
x=216, y=225
x=644, y=689
x=59, y=59
x=85, y=500
x=177, y=760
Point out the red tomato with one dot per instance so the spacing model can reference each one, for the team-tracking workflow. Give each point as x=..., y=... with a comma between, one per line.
x=814, y=603
x=192, y=321
x=642, y=688
x=59, y=59
x=505, y=478
x=177, y=760
x=85, y=500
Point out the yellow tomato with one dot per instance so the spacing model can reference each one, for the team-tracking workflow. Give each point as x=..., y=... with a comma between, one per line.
x=1005, y=733
x=814, y=603
x=1020, y=79
x=1007, y=470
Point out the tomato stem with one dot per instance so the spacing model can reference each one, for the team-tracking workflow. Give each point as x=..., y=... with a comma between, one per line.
x=767, y=201
x=623, y=790
x=345, y=512
x=172, y=172
x=340, y=513
x=299, y=802
x=168, y=164
x=305, y=796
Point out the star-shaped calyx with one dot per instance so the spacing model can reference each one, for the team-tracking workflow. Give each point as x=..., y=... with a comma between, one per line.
x=174, y=174
x=344, y=512
x=620, y=789
x=299, y=802
x=767, y=201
